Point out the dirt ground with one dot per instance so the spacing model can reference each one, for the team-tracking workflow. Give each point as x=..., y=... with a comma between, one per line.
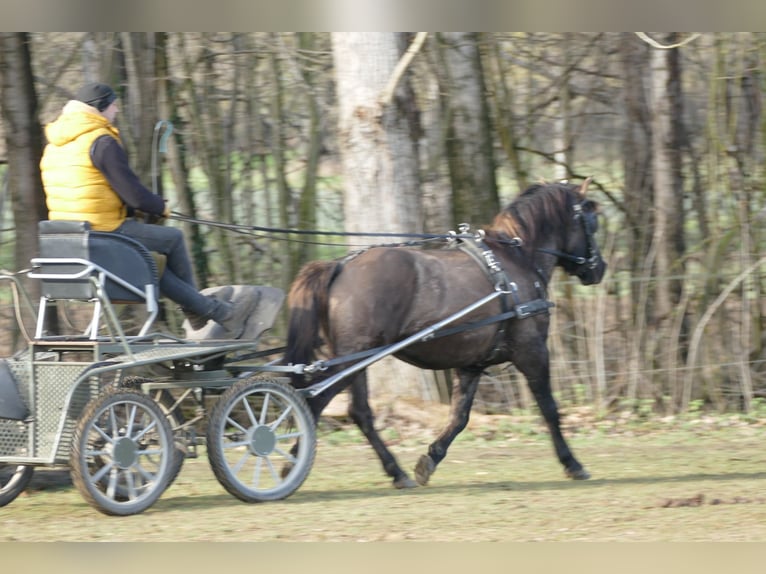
x=682, y=480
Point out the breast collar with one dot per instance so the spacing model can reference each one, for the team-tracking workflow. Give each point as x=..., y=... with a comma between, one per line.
x=481, y=253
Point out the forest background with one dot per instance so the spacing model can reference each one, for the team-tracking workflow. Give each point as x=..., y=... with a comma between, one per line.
x=416, y=132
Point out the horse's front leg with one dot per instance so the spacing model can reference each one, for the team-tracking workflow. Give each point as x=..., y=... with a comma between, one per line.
x=536, y=368
x=360, y=412
x=463, y=394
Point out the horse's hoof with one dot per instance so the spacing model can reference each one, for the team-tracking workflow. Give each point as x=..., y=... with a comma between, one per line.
x=579, y=474
x=424, y=469
x=405, y=482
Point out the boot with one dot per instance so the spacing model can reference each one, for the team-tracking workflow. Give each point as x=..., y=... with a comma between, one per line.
x=233, y=316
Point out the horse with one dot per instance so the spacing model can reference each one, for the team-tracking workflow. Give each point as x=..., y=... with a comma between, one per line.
x=384, y=294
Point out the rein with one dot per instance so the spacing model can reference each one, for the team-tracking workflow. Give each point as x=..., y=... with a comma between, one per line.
x=243, y=228
x=591, y=261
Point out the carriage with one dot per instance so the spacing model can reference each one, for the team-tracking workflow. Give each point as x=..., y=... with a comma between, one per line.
x=123, y=411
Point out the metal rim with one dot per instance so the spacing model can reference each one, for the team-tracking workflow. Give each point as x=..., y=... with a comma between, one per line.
x=123, y=452
x=261, y=440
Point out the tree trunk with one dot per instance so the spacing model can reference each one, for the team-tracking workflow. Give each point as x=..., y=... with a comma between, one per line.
x=378, y=155
x=379, y=160
x=469, y=144
x=139, y=102
x=668, y=211
x=637, y=158
x=307, y=204
x=24, y=143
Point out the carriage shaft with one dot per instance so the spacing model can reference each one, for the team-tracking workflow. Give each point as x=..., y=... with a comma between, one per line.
x=419, y=337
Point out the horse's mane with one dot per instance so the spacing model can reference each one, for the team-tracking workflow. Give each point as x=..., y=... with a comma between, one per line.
x=542, y=210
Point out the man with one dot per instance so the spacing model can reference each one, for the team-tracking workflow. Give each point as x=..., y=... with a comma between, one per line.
x=86, y=177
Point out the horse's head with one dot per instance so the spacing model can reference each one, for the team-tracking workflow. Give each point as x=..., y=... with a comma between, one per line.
x=580, y=255
x=556, y=219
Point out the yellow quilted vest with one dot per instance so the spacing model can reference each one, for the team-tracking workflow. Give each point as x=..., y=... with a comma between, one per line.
x=74, y=188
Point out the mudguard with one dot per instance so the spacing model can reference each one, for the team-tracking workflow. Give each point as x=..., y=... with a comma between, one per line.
x=11, y=404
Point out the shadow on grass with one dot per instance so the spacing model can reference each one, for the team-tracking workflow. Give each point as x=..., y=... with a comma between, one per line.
x=308, y=495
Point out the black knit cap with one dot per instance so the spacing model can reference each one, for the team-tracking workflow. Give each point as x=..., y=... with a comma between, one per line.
x=97, y=95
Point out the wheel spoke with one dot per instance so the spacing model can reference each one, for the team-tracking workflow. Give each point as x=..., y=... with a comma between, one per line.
x=132, y=494
x=112, y=487
x=274, y=473
x=113, y=421
x=264, y=408
x=149, y=427
x=296, y=434
x=102, y=471
x=143, y=472
x=131, y=420
x=249, y=410
x=103, y=434
x=234, y=423
x=237, y=467
x=237, y=444
x=282, y=417
x=290, y=458
x=257, y=472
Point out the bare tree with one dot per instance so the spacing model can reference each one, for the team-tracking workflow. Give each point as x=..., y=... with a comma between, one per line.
x=469, y=143
x=667, y=239
x=378, y=154
x=24, y=143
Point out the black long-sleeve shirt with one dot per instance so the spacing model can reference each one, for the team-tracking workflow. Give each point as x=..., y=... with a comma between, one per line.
x=110, y=158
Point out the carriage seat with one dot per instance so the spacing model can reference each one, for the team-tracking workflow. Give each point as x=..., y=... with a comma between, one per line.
x=77, y=263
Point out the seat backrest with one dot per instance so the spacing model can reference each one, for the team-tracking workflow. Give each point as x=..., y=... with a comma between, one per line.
x=59, y=240
x=126, y=258
x=121, y=256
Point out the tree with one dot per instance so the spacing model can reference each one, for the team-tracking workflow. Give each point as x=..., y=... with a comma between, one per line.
x=469, y=144
x=379, y=156
x=24, y=142
x=378, y=153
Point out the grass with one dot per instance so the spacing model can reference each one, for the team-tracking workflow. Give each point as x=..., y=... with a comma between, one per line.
x=662, y=480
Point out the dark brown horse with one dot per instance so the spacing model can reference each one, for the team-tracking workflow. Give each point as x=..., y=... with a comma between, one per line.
x=386, y=294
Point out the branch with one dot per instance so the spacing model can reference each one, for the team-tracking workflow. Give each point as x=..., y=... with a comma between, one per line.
x=572, y=173
x=401, y=66
x=652, y=42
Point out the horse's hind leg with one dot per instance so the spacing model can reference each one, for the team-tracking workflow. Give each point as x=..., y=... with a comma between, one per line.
x=462, y=398
x=360, y=412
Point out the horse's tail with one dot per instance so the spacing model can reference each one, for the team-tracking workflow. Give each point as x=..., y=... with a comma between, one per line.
x=307, y=302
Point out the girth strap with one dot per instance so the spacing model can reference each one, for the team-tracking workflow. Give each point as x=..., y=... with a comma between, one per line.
x=486, y=259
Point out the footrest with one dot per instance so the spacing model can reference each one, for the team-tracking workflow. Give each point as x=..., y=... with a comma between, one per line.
x=268, y=303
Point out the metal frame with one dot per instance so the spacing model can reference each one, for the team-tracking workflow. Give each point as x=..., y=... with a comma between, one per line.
x=98, y=275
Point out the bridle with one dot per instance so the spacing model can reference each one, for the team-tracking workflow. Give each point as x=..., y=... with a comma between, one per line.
x=588, y=222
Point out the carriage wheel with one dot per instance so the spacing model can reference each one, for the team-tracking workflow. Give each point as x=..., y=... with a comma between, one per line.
x=261, y=440
x=14, y=479
x=122, y=452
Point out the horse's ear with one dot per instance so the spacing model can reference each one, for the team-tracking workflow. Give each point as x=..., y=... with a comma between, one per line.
x=584, y=186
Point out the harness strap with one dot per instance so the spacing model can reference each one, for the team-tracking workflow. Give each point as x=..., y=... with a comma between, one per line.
x=484, y=256
x=438, y=334
x=486, y=259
